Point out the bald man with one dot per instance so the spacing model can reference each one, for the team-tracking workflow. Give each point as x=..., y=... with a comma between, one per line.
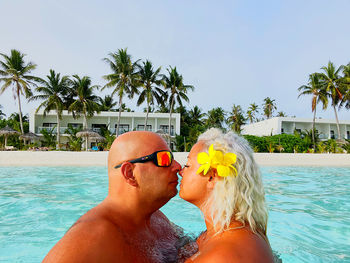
x=127, y=226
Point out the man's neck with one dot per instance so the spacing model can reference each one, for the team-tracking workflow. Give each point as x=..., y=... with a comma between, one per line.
x=129, y=213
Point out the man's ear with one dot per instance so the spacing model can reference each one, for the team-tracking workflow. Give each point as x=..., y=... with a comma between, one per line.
x=212, y=179
x=128, y=173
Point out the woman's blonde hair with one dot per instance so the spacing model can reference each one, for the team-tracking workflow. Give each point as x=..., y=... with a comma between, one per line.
x=240, y=197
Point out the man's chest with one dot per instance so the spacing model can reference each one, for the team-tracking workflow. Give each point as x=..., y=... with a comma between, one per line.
x=155, y=246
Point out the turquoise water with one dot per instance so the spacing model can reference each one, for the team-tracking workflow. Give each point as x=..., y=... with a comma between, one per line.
x=308, y=220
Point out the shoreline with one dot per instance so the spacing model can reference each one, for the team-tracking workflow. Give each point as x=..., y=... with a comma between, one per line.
x=65, y=158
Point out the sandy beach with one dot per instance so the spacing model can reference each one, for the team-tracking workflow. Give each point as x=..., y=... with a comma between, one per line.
x=60, y=158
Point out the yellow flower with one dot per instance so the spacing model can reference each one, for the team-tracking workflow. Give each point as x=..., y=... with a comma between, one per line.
x=205, y=160
x=216, y=159
x=225, y=164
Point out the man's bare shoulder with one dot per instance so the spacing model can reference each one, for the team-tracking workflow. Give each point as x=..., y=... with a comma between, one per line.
x=92, y=238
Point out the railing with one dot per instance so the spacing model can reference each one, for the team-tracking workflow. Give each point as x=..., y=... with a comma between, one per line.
x=62, y=129
x=98, y=130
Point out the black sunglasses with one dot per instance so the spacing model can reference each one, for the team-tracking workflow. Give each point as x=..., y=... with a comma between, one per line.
x=160, y=158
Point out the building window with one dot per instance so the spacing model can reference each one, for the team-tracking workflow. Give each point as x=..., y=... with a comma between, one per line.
x=282, y=130
x=123, y=128
x=165, y=129
x=332, y=134
x=141, y=127
x=98, y=127
x=49, y=124
x=348, y=135
x=76, y=125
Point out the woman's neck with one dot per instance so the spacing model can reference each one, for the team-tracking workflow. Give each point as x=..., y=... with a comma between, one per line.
x=212, y=230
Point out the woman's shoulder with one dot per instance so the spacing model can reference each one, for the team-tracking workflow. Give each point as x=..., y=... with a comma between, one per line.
x=236, y=246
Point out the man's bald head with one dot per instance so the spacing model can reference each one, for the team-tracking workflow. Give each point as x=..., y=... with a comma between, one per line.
x=132, y=145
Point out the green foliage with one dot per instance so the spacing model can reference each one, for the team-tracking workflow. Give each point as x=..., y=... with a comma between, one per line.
x=191, y=124
x=346, y=146
x=289, y=143
x=1, y=113
x=236, y=118
x=268, y=107
x=74, y=143
x=215, y=118
x=14, y=72
x=109, y=139
x=49, y=138
x=333, y=147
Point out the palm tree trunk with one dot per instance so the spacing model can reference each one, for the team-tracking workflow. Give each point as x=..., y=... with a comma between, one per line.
x=5, y=141
x=313, y=130
x=146, y=116
x=58, y=131
x=171, y=111
x=120, y=112
x=336, y=118
x=85, y=121
x=19, y=108
x=85, y=127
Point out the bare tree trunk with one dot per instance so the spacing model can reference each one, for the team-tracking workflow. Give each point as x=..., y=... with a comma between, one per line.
x=58, y=130
x=85, y=121
x=313, y=130
x=120, y=112
x=19, y=108
x=336, y=118
x=85, y=127
x=5, y=141
x=171, y=109
x=146, y=116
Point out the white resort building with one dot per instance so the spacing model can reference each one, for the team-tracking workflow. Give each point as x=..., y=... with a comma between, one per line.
x=327, y=129
x=129, y=121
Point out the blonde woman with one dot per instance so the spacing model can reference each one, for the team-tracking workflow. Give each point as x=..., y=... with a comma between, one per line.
x=222, y=179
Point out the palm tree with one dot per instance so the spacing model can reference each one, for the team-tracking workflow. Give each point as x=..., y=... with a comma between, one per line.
x=1, y=113
x=269, y=106
x=345, y=83
x=252, y=110
x=196, y=116
x=123, y=79
x=149, y=79
x=86, y=101
x=281, y=114
x=236, y=118
x=107, y=103
x=215, y=118
x=317, y=89
x=53, y=92
x=177, y=90
x=15, y=71
x=332, y=81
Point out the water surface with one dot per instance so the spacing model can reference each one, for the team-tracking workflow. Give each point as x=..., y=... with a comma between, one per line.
x=309, y=210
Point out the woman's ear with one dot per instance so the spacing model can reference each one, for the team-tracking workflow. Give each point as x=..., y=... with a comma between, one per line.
x=128, y=173
x=212, y=179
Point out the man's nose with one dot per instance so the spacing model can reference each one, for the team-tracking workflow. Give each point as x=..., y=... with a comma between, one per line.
x=176, y=166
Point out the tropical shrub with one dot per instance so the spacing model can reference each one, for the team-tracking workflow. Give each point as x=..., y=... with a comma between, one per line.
x=284, y=142
x=346, y=146
x=49, y=138
x=74, y=143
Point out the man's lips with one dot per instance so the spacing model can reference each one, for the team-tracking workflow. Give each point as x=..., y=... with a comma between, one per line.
x=174, y=182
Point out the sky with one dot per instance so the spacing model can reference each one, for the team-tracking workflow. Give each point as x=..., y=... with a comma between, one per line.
x=232, y=52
